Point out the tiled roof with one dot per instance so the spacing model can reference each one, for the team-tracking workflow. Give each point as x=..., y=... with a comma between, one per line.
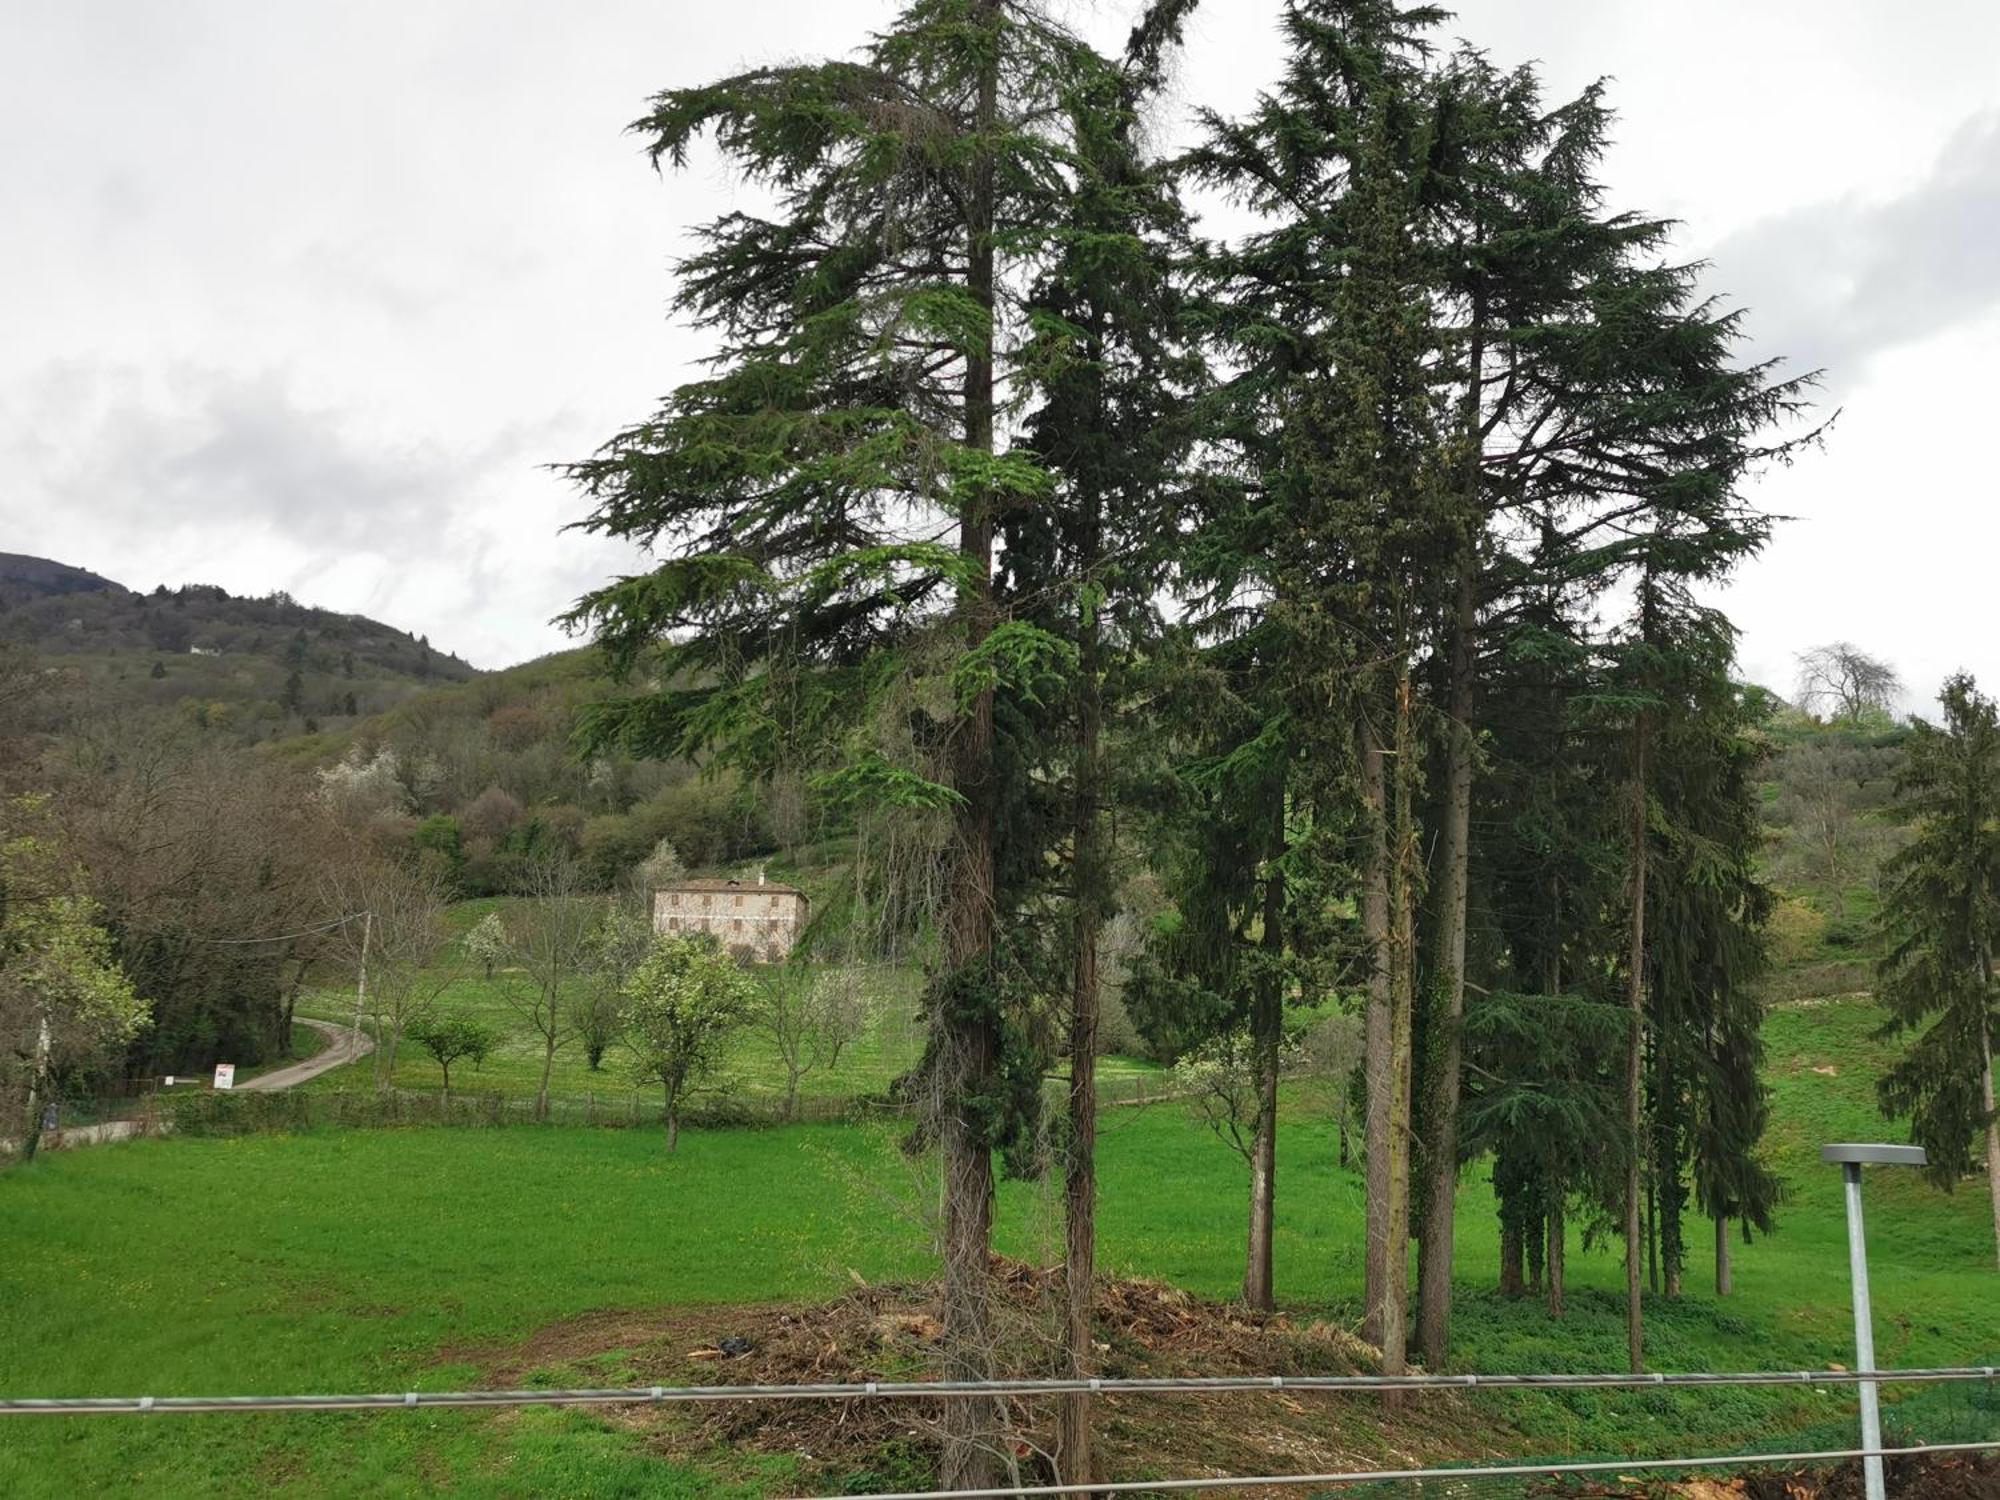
x=769, y=887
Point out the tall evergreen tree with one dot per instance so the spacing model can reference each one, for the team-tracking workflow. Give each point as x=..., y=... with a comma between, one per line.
x=1941, y=915
x=1111, y=424
x=830, y=494
x=1339, y=515
x=1706, y=1102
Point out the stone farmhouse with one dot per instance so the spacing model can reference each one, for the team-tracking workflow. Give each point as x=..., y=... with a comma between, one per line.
x=757, y=921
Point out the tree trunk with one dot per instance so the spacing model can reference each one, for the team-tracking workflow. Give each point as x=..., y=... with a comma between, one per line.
x=1725, y=1282
x=1378, y=1063
x=1652, y=1239
x=1673, y=1247
x=38, y=1085
x=1992, y=1130
x=968, y=1035
x=1510, y=1257
x=1557, y=1254
x=1635, y=1034
x=548, y=1069
x=1258, y=1288
x=671, y=1112
x=1403, y=897
x=1267, y=1029
x=1073, y=1460
x=1447, y=1011
x=1440, y=1113
x=1668, y=1198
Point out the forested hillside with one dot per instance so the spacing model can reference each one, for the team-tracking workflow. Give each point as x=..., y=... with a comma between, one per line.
x=486, y=774
x=249, y=668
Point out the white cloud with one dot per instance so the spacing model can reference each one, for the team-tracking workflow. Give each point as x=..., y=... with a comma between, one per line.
x=303, y=296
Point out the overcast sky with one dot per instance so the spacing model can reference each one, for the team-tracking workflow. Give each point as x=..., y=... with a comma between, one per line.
x=304, y=294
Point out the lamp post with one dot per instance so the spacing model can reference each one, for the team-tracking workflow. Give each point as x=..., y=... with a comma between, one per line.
x=1851, y=1158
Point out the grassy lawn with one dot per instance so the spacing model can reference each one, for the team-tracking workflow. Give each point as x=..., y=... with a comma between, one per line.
x=354, y=1260
x=889, y=1043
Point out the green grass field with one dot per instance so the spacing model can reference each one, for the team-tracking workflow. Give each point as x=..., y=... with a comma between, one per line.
x=889, y=1043
x=353, y=1260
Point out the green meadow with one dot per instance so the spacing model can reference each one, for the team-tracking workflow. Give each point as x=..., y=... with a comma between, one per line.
x=360, y=1260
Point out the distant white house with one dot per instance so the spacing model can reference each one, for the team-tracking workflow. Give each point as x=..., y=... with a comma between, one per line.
x=756, y=920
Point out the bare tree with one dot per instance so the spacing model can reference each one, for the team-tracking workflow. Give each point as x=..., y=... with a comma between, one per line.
x=1828, y=841
x=548, y=936
x=811, y=1015
x=1331, y=1056
x=1843, y=683
x=394, y=942
x=190, y=849
x=1225, y=1083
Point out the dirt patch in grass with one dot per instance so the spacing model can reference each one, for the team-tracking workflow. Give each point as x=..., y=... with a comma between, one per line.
x=1143, y=1329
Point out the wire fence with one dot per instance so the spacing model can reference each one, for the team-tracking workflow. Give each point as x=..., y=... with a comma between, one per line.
x=946, y=1390
x=1941, y=1467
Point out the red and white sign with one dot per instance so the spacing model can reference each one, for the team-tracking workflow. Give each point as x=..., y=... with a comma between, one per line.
x=225, y=1075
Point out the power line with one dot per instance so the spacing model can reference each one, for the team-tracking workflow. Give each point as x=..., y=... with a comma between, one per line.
x=286, y=937
x=947, y=1389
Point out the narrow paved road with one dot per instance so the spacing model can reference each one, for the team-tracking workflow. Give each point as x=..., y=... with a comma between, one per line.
x=342, y=1049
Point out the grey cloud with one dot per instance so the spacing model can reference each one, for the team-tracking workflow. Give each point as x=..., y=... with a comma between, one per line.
x=203, y=446
x=1832, y=284
x=208, y=476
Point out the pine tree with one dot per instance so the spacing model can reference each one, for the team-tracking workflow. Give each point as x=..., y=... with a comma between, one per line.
x=868, y=332
x=1941, y=915
x=1112, y=425
x=1340, y=516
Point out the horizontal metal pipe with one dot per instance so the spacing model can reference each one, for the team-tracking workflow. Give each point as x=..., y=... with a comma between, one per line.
x=947, y=1389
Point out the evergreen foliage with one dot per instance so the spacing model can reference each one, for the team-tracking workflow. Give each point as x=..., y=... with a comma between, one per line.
x=1941, y=916
x=1008, y=501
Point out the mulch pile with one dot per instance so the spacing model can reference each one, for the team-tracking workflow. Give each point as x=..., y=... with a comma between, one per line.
x=892, y=1332
x=1143, y=1328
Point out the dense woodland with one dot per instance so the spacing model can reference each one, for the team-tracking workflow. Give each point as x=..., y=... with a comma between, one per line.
x=1323, y=616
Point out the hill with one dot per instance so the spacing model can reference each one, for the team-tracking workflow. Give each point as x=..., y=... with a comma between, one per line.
x=255, y=667
x=25, y=580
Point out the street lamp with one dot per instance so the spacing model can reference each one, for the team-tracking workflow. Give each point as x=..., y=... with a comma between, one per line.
x=1851, y=1158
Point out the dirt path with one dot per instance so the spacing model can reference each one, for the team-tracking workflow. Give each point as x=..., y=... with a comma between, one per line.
x=343, y=1047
